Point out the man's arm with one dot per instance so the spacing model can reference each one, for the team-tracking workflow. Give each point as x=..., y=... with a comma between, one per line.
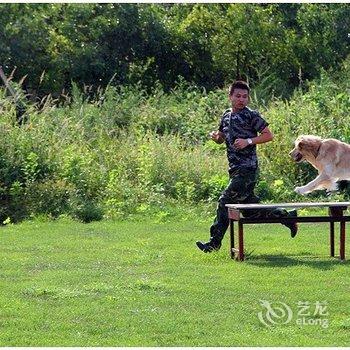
x=265, y=136
x=217, y=136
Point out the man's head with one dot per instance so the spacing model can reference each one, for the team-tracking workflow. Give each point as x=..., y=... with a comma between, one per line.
x=239, y=95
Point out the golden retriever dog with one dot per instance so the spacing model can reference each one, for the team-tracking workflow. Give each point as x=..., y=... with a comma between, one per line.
x=329, y=156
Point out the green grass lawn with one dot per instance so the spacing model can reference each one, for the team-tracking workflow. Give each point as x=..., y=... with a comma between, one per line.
x=145, y=284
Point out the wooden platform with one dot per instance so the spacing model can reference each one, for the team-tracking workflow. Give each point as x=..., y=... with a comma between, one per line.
x=335, y=214
x=289, y=205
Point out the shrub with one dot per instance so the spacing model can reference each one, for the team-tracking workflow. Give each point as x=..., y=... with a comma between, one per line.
x=86, y=211
x=126, y=152
x=51, y=197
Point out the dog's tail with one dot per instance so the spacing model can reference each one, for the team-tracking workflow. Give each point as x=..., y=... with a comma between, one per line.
x=343, y=185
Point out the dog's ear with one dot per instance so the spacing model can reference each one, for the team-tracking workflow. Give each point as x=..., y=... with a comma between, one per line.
x=315, y=152
x=315, y=147
x=312, y=146
x=301, y=144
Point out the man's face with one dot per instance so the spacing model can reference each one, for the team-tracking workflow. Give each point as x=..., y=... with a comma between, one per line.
x=239, y=99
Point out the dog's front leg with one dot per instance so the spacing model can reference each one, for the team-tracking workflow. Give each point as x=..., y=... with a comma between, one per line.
x=315, y=184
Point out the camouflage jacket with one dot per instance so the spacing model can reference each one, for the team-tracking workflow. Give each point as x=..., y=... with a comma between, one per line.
x=244, y=124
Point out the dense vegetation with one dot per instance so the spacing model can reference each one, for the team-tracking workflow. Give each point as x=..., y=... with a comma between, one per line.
x=126, y=151
x=144, y=86
x=205, y=44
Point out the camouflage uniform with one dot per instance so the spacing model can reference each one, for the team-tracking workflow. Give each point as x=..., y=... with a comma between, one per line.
x=243, y=169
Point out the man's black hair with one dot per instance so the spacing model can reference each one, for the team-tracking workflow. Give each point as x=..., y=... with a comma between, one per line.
x=239, y=84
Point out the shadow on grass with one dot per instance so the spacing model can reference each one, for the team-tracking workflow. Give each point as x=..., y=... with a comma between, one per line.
x=317, y=262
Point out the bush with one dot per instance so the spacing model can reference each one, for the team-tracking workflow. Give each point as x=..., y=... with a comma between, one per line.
x=86, y=211
x=125, y=152
x=51, y=198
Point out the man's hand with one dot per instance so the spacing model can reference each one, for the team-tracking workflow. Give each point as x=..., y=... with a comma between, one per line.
x=217, y=136
x=240, y=143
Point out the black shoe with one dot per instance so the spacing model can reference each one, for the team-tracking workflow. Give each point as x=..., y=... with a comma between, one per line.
x=293, y=226
x=209, y=246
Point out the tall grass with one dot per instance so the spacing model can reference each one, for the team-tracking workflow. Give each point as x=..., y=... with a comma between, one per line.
x=124, y=151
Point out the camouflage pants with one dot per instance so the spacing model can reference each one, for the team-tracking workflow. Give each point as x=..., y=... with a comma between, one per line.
x=240, y=190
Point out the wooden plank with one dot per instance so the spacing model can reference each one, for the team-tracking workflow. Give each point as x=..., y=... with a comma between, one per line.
x=296, y=219
x=289, y=205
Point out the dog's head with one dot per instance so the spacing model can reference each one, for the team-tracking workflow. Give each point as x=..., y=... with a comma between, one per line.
x=306, y=147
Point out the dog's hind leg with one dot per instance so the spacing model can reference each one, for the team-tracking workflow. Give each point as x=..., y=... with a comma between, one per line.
x=332, y=187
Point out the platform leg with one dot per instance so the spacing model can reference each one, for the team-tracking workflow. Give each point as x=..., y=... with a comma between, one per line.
x=240, y=242
x=331, y=238
x=342, y=240
x=232, y=240
x=338, y=213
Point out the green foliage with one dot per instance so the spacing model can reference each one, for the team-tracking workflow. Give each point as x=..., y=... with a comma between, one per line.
x=214, y=186
x=86, y=211
x=50, y=198
x=149, y=44
x=31, y=168
x=125, y=152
